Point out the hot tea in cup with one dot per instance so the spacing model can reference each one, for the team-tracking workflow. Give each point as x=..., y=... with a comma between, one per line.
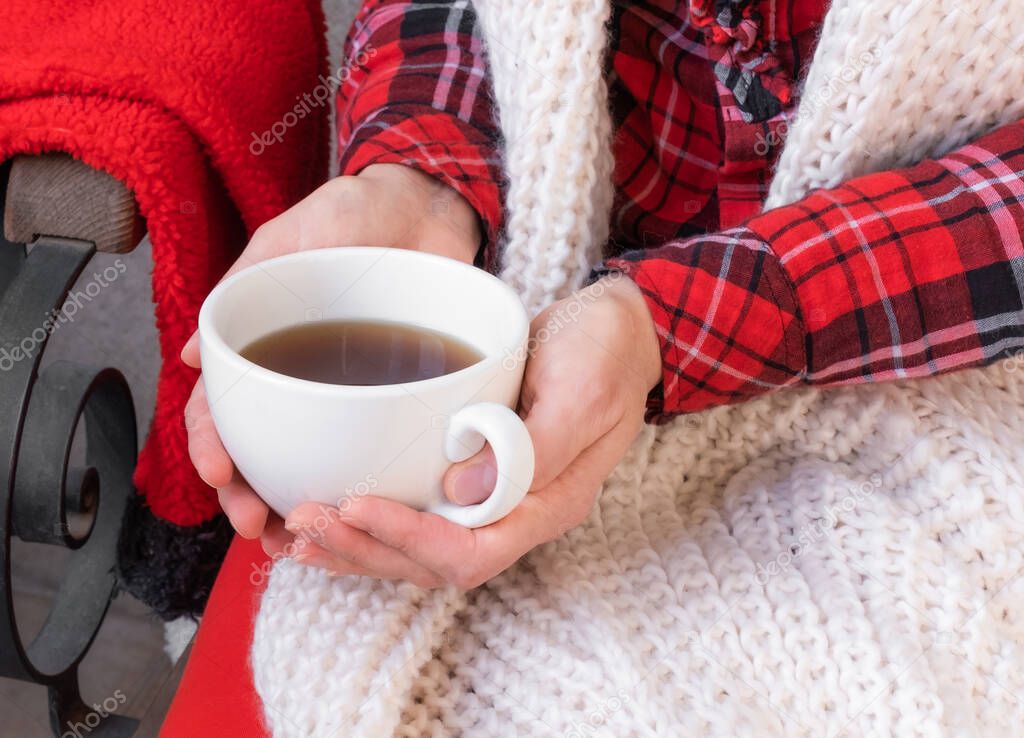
x=340, y=371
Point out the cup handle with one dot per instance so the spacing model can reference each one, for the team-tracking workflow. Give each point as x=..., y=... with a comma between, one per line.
x=513, y=452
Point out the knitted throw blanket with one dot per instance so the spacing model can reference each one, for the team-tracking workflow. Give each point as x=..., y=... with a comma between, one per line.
x=811, y=563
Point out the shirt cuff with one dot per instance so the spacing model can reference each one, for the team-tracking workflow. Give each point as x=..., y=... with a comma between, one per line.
x=726, y=316
x=441, y=145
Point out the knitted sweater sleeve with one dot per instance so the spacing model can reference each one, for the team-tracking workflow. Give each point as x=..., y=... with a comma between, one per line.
x=414, y=90
x=902, y=273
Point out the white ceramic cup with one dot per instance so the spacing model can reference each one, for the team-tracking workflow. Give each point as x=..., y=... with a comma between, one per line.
x=296, y=441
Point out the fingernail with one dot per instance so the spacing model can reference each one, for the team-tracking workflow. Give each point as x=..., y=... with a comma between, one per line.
x=474, y=483
x=320, y=560
x=301, y=528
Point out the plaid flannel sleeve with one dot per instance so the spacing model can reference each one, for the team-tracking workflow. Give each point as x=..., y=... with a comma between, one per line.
x=904, y=273
x=414, y=90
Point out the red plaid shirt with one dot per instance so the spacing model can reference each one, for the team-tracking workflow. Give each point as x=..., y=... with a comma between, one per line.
x=902, y=273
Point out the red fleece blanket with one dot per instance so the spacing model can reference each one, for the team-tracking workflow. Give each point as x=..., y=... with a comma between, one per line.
x=194, y=106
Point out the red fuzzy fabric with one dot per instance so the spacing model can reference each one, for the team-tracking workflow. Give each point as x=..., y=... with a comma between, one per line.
x=167, y=96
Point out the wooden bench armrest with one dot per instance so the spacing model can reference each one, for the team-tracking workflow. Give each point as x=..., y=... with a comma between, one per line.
x=56, y=195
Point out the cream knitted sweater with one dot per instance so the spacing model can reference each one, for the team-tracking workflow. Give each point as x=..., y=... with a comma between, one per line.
x=808, y=564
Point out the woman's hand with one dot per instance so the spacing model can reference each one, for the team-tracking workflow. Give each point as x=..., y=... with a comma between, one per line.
x=385, y=205
x=594, y=358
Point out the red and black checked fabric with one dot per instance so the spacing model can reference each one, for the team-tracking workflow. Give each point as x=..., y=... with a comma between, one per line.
x=701, y=110
x=692, y=155
x=415, y=91
x=899, y=274
x=896, y=274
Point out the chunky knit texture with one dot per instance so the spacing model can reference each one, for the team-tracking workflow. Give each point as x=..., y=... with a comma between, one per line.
x=553, y=110
x=811, y=563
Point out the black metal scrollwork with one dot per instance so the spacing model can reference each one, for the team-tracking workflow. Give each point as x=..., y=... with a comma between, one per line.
x=48, y=497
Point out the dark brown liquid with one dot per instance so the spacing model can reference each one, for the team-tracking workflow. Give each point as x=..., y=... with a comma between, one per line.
x=356, y=352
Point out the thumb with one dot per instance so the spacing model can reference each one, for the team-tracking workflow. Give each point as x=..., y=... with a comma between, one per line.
x=555, y=431
x=472, y=481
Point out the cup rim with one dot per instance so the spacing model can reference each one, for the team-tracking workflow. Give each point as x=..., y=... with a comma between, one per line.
x=211, y=338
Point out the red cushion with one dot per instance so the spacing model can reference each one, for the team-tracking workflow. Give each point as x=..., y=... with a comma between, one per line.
x=216, y=697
